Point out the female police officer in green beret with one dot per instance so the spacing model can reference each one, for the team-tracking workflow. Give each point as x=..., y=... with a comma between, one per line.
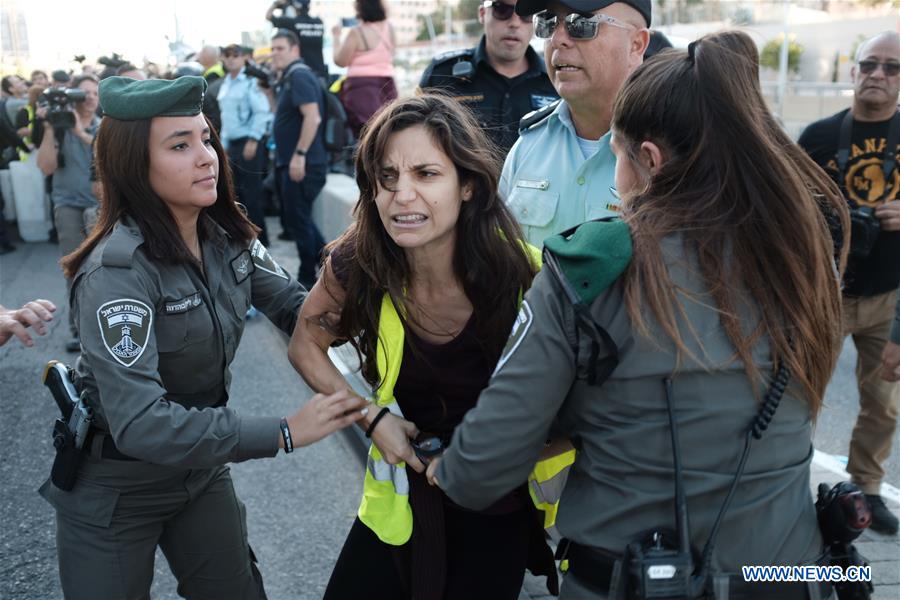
x=669, y=329
x=160, y=291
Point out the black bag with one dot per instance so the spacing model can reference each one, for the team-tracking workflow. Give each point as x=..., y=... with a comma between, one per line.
x=336, y=131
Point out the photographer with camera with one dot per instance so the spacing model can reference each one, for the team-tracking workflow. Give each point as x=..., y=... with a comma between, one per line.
x=245, y=120
x=310, y=31
x=67, y=155
x=858, y=149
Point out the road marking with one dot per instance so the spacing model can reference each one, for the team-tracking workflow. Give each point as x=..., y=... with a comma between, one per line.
x=830, y=463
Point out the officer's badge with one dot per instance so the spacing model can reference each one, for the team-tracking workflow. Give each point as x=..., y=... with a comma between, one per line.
x=520, y=327
x=125, y=325
x=263, y=260
x=242, y=266
x=174, y=307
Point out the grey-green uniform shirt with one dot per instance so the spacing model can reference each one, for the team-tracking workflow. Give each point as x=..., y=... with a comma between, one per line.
x=621, y=483
x=158, y=338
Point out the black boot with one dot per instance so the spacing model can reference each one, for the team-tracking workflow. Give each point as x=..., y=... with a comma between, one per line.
x=883, y=520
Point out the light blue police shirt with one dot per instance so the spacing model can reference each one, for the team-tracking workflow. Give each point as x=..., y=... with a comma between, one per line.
x=244, y=108
x=549, y=185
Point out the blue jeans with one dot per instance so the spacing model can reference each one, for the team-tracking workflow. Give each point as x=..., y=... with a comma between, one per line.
x=248, y=177
x=296, y=204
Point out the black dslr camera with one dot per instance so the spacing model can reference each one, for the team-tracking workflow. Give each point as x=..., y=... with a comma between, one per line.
x=864, y=230
x=261, y=73
x=60, y=102
x=843, y=514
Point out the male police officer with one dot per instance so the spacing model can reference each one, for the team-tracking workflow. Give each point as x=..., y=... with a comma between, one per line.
x=592, y=47
x=502, y=79
x=858, y=148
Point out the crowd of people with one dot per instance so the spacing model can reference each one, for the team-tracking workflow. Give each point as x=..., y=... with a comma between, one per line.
x=588, y=290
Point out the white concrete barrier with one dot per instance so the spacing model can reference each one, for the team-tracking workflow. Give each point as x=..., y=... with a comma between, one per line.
x=333, y=209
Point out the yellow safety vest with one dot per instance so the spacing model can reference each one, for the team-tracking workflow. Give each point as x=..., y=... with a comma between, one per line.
x=385, y=503
x=216, y=69
x=23, y=156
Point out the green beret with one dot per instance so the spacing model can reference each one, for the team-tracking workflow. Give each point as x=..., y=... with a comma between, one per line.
x=127, y=99
x=594, y=256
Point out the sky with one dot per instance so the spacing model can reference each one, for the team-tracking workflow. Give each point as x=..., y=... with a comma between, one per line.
x=59, y=29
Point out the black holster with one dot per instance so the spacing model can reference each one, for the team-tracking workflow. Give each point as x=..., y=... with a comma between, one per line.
x=68, y=457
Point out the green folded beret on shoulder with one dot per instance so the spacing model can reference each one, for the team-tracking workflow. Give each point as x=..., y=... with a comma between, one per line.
x=594, y=256
x=128, y=99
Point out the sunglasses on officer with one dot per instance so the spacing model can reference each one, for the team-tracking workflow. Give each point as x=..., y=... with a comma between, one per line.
x=500, y=10
x=578, y=26
x=867, y=67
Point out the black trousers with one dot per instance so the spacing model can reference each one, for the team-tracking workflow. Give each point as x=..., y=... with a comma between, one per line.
x=248, y=181
x=486, y=558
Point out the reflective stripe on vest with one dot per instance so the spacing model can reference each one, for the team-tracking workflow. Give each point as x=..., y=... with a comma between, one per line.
x=385, y=503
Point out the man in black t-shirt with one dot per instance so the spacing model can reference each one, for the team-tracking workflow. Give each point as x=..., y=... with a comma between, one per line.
x=301, y=161
x=873, y=274
x=310, y=31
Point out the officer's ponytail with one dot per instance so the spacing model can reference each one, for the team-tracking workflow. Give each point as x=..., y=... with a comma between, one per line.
x=744, y=198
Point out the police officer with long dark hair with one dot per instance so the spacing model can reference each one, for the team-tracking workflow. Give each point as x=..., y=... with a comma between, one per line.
x=160, y=292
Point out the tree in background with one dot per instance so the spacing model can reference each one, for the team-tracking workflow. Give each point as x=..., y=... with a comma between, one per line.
x=771, y=54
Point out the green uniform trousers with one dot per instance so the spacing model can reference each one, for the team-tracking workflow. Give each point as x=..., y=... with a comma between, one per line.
x=868, y=321
x=109, y=525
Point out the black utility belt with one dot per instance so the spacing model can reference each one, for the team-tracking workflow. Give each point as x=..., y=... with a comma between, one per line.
x=100, y=444
x=599, y=570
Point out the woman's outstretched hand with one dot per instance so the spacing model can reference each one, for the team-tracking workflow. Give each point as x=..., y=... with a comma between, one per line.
x=324, y=415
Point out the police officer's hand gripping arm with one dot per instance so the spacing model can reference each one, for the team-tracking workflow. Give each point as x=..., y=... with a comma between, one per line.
x=308, y=352
x=499, y=441
x=142, y=422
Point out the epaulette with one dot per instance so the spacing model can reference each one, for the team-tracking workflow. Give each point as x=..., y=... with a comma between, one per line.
x=451, y=54
x=120, y=246
x=591, y=255
x=536, y=117
x=444, y=57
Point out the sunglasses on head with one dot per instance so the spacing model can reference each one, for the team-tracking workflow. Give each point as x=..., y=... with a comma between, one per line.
x=500, y=10
x=579, y=27
x=867, y=67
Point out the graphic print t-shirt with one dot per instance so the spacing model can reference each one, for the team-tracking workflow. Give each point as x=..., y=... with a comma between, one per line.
x=863, y=185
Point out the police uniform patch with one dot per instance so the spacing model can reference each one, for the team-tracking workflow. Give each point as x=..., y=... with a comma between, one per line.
x=520, y=327
x=242, y=266
x=125, y=325
x=264, y=261
x=174, y=307
x=539, y=101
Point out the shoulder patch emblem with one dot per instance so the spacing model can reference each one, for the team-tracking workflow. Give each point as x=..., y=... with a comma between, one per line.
x=242, y=266
x=520, y=327
x=125, y=325
x=264, y=261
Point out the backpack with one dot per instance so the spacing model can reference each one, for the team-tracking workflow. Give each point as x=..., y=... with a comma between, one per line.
x=336, y=131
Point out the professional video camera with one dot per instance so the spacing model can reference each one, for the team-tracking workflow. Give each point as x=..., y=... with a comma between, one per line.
x=114, y=62
x=260, y=72
x=59, y=102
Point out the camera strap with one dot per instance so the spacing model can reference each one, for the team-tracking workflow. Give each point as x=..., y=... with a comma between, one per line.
x=888, y=159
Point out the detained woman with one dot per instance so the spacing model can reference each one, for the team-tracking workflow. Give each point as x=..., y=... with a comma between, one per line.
x=159, y=295
x=425, y=284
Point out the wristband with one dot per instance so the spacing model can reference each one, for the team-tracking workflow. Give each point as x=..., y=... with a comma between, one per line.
x=377, y=418
x=286, y=436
